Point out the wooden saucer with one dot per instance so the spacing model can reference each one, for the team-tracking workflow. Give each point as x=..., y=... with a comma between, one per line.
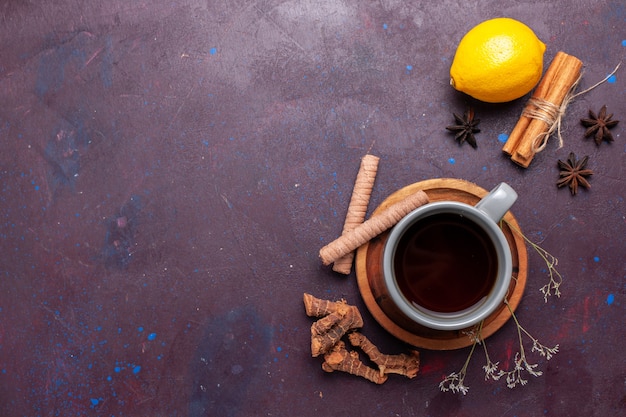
x=368, y=266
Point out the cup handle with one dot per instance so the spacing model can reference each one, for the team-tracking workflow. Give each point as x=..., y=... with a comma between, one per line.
x=497, y=202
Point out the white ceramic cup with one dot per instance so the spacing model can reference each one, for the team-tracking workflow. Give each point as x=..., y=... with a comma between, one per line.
x=486, y=215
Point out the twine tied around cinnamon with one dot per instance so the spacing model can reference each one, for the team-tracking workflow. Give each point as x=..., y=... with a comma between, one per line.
x=551, y=114
x=544, y=111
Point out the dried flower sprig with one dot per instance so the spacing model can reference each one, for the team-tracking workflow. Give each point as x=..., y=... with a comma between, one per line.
x=491, y=368
x=521, y=364
x=553, y=287
x=455, y=381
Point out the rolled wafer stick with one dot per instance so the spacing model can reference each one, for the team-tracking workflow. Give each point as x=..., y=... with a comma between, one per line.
x=358, y=206
x=371, y=227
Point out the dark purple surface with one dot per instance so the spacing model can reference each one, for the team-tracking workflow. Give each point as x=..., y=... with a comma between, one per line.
x=170, y=169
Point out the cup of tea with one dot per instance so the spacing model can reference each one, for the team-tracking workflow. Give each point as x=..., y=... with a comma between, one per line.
x=447, y=265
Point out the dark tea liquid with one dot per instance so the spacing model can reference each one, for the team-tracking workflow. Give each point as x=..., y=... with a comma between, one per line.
x=445, y=263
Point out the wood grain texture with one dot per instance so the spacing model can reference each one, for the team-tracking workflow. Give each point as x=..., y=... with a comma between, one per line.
x=369, y=272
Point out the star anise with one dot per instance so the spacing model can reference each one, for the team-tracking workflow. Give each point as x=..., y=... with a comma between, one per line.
x=598, y=126
x=573, y=173
x=465, y=127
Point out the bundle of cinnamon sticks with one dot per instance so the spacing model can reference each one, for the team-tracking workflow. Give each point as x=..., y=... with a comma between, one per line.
x=543, y=110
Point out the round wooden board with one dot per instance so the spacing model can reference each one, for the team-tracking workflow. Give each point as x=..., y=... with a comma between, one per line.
x=369, y=259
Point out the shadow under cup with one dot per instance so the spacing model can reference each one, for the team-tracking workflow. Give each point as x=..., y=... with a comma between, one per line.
x=446, y=266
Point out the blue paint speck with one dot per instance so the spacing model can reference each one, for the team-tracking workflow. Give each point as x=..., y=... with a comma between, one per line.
x=409, y=67
x=213, y=51
x=279, y=349
x=152, y=336
x=117, y=369
x=611, y=79
x=136, y=369
x=596, y=259
x=94, y=401
x=624, y=42
x=503, y=137
x=109, y=378
x=452, y=161
x=610, y=299
x=385, y=27
x=140, y=329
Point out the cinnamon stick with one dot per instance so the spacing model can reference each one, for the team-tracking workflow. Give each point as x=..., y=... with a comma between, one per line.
x=540, y=91
x=372, y=227
x=543, y=108
x=358, y=206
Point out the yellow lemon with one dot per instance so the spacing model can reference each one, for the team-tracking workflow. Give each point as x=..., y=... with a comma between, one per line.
x=497, y=61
